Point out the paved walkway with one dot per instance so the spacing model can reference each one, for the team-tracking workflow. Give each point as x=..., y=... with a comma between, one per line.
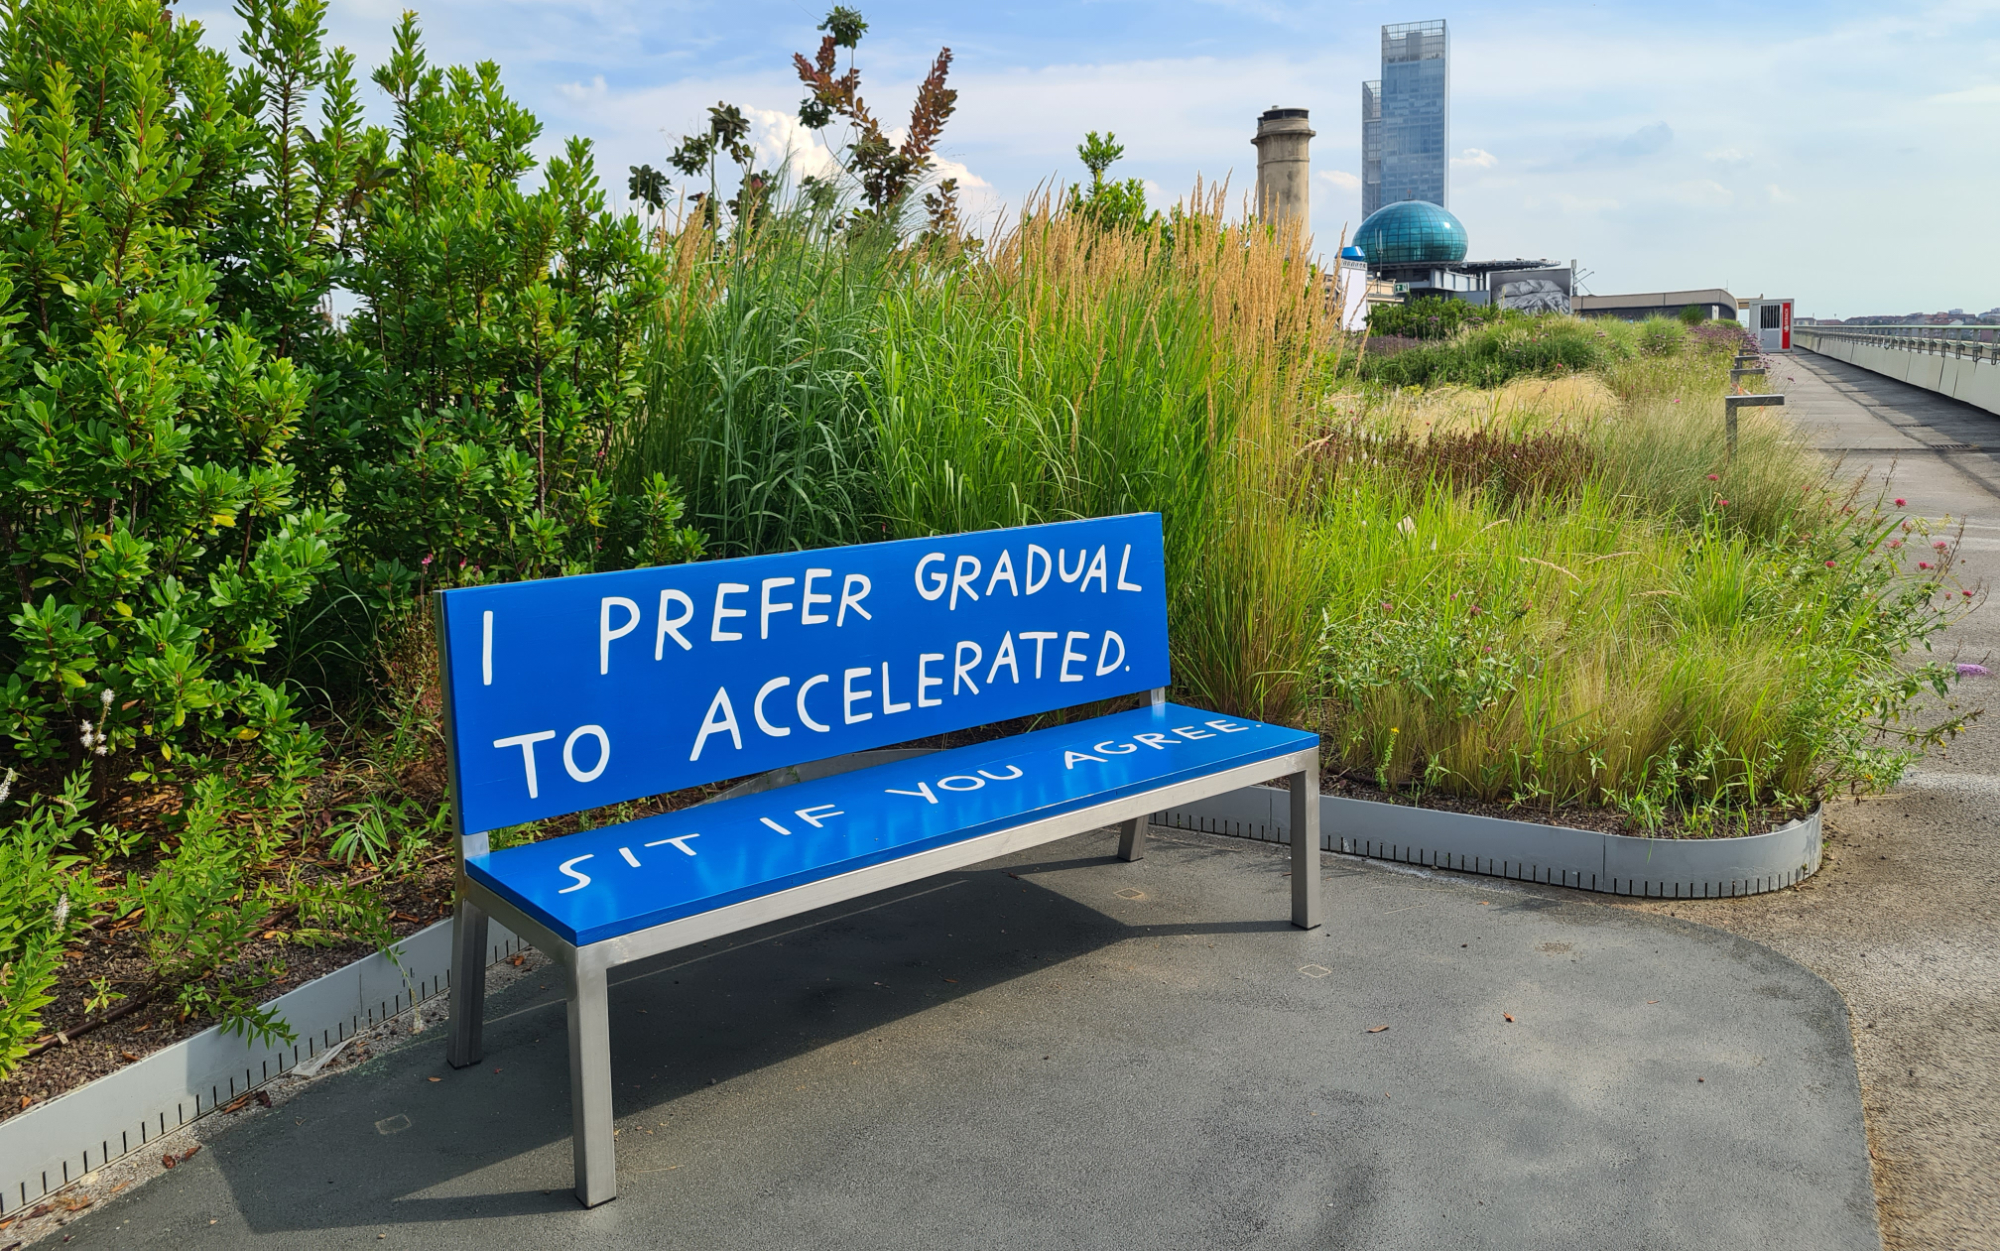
x=1062, y=1050
x=1904, y=917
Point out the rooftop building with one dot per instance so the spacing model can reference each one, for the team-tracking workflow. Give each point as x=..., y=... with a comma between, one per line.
x=1713, y=302
x=1284, y=164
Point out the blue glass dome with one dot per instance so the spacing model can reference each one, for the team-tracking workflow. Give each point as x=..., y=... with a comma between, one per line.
x=1411, y=232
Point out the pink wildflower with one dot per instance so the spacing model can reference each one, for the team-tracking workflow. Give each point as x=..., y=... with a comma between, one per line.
x=1922, y=564
x=1900, y=503
x=1714, y=478
x=1973, y=671
x=1829, y=564
x=1939, y=545
x=1895, y=543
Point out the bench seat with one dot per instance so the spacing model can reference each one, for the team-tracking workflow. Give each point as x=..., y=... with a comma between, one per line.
x=602, y=884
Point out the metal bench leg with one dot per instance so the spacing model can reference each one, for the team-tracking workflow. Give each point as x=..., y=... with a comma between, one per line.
x=1305, y=848
x=463, y=1044
x=590, y=1084
x=1132, y=839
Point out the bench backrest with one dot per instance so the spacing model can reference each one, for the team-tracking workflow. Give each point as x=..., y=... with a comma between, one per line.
x=569, y=693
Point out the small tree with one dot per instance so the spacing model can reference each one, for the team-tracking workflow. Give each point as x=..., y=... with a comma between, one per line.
x=649, y=187
x=728, y=133
x=885, y=173
x=1110, y=205
x=1693, y=315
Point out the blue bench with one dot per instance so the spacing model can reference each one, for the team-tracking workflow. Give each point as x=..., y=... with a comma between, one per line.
x=574, y=693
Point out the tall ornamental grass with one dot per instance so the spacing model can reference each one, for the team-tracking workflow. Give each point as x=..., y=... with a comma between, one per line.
x=756, y=390
x=809, y=388
x=1080, y=372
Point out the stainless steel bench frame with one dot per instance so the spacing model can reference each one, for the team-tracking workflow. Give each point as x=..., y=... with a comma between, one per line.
x=586, y=969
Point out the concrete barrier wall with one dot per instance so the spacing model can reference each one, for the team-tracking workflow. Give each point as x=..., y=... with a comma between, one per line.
x=1617, y=864
x=1972, y=379
x=51, y=1145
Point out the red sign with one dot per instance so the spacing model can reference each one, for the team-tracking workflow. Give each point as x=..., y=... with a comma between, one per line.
x=1785, y=337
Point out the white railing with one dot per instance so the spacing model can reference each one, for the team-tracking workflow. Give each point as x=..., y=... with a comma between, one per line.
x=1907, y=339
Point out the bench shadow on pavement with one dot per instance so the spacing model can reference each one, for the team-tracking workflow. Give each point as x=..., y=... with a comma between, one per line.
x=680, y=1023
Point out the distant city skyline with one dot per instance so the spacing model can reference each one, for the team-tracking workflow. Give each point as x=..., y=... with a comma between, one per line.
x=1946, y=317
x=1762, y=148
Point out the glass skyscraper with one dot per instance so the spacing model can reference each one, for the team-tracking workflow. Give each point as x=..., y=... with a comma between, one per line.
x=1406, y=119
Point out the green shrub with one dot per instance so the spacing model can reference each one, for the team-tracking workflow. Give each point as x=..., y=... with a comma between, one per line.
x=153, y=520
x=1493, y=354
x=1661, y=336
x=195, y=452
x=1432, y=318
x=496, y=353
x=48, y=898
x=193, y=909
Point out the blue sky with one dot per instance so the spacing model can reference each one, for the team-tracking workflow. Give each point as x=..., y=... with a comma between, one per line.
x=1773, y=148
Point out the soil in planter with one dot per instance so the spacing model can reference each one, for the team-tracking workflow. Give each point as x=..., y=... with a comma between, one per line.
x=117, y=955
x=1762, y=820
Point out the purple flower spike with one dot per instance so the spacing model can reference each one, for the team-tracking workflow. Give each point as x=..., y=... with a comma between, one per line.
x=1974, y=671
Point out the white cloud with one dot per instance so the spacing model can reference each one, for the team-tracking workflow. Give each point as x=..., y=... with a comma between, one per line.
x=979, y=206
x=1478, y=158
x=592, y=92
x=1567, y=203
x=1701, y=193
x=781, y=141
x=1781, y=196
x=1342, y=179
x=1727, y=156
x=1643, y=142
x=1985, y=93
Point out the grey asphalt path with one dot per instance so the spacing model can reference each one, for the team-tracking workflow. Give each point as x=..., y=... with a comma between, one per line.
x=1903, y=919
x=1060, y=1050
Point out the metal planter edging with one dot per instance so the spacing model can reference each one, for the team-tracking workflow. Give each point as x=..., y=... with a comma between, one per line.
x=1617, y=864
x=47, y=1147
